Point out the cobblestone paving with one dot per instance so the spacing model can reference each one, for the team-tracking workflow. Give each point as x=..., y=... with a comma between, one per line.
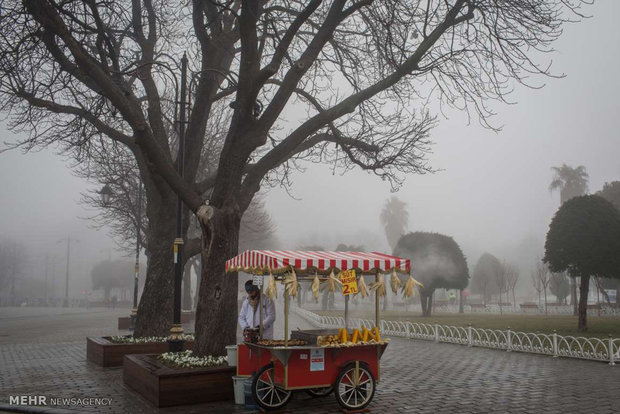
x=417, y=377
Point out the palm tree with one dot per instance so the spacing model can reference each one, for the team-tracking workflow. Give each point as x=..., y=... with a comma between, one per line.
x=572, y=182
x=394, y=218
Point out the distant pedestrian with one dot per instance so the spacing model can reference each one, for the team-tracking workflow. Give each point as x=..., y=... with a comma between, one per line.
x=114, y=299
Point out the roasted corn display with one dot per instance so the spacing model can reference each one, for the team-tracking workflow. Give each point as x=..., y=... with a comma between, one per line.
x=346, y=339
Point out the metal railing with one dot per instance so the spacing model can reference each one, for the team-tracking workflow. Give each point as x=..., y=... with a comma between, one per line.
x=539, y=310
x=607, y=350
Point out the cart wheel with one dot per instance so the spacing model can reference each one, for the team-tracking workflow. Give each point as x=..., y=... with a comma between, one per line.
x=266, y=393
x=351, y=396
x=319, y=392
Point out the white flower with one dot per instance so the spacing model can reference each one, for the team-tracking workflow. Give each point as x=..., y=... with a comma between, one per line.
x=186, y=359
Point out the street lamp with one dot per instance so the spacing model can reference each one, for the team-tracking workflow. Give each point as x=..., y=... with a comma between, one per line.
x=175, y=339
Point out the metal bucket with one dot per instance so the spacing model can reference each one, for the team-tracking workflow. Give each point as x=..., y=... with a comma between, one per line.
x=239, y=384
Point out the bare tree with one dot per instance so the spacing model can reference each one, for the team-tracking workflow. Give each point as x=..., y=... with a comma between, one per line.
x=541, y=279
x=512, y=278
x=501, y=281
x=80, y=73
x=536, y=284
x=485, y=274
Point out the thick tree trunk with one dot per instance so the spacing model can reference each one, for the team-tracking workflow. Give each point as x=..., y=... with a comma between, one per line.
x=461, y=307
x=216, y=313
x=545, y=301
x=426, y=300
x=583, y=302
x=423, y=303
x=155, y=308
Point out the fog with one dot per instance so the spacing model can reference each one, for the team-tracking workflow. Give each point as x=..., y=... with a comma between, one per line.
x=490, y=193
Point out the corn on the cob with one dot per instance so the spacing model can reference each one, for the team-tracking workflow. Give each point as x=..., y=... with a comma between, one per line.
x=377, y=334
x=272, y=290
x=356, y=336
x=290, y=281
x=379, y=286
x=365, y=332
x=395, y=282
x=332, y=282
x=411, y=287
x=315, y=288
x=361, y=287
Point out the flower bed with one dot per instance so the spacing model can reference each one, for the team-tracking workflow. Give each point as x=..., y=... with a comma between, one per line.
x=164, y=385
x=108, y=351
x=128, y=339
x=186, y=359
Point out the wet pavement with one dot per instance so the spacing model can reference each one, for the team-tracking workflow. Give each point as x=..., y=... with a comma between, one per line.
x=43, y=352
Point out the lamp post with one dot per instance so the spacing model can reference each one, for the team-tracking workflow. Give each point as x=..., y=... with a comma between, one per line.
x=175, y=339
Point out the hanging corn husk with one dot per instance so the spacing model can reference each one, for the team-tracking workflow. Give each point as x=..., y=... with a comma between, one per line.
x=361, y=287
x=332, y=282
x=272, y=289
x=291, y=284
x=379, y=286
x=411, y=287
x=395, y=282
x=315, y=288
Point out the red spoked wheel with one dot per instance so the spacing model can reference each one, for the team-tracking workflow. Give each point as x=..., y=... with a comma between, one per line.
x=355, y=387
x=266, y=393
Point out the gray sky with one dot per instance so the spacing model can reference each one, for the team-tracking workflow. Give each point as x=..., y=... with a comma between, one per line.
x=491, y=195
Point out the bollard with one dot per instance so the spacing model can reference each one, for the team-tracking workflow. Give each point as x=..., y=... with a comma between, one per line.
x=470, y=341
x=436, y=333
x=555, y=344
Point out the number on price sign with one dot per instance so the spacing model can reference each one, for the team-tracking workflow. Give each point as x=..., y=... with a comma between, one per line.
x=349, y=282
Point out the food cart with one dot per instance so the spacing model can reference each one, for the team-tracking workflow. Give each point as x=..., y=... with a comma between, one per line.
x=343, y=361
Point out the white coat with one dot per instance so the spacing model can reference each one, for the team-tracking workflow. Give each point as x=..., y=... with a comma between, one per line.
x=248, y=318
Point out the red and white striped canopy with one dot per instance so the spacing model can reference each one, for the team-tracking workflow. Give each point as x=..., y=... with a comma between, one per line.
x=276, y=261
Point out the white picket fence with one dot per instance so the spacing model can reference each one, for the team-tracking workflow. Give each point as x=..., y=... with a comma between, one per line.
x=540, y=310
x=607, y=350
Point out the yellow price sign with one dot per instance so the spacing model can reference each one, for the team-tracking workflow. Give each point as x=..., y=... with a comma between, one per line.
x=349, y=282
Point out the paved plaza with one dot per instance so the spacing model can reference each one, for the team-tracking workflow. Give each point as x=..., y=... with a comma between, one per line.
x=43, y=352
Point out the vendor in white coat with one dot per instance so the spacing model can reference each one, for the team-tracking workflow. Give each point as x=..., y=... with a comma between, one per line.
x=249, y=317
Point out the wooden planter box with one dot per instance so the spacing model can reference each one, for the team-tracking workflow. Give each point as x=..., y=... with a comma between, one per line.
x=165, y=387
x=103, y=352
